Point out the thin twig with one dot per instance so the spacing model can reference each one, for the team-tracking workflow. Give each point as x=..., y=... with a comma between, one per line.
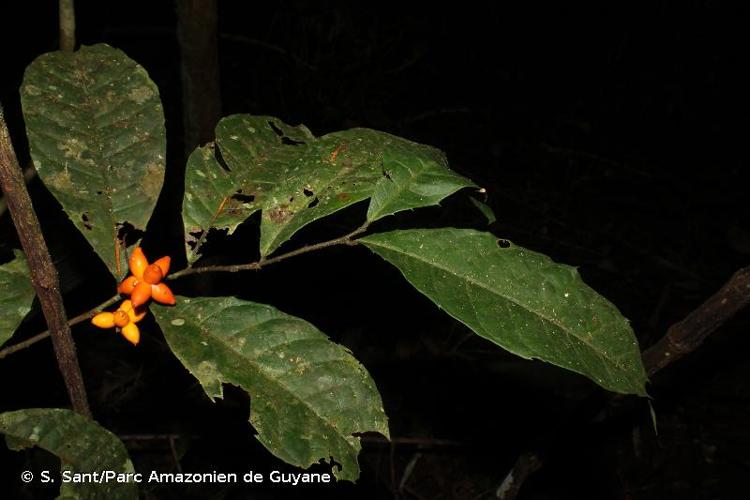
x=169, y=438
x=527, y=464
x=41, y=336
x=422, y=443
x=67, y=26
x=343, y=240
x=43, y=273
x=408, y=471
x=154, y=437
x=252, y=266
x=173, y=449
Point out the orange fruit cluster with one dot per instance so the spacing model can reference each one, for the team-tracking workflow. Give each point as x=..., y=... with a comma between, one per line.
x=124, y=319
x=144, y=283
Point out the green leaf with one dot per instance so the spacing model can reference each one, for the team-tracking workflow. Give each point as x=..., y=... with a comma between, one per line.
x=213, y=198
x=414, y=178
x=309, y=396
x=260, y=163
x=484, y=209
x=96, y=133
x=82, y=445
x=16, y=295
x=520, y=300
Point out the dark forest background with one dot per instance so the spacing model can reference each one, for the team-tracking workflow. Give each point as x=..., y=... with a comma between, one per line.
x=612, y=138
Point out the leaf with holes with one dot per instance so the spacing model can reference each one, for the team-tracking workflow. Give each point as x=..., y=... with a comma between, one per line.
x=225, y=181
x=260, y=163
x=413, y=179
x=310, y=397
x=96, y=133
x=329, y=174
x=213, y=198
x=16, y=295
x=520, y=300
x=82, y=445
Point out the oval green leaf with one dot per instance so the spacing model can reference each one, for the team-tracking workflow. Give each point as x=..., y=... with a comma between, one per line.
x=96, y=133
x=16, y=295
x=261, y=163
x=82, y=445
x=520, y=300
x=310, y=397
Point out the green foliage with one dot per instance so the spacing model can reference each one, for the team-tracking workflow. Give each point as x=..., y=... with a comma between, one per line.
x=16, y=294
x=296, y=178
x=520, y=300
x=309, y=395
x=96, y=133
x=413, y=177
x=82, y=445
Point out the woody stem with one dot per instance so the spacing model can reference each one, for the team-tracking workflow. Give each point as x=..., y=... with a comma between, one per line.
x=347, y=239
x=41, y=336
x=43, y=273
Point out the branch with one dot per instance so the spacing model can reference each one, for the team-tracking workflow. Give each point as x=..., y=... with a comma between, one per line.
x=687, y=335
x=343, y=240
x=67, y=26
x=253, y=266
x=43, y=272
x=527, y=464
x=422, y=443
x=681, y=338
x=41, y=336
x=28, y=175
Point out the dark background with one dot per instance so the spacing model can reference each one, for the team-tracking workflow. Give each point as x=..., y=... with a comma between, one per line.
x=610, y=138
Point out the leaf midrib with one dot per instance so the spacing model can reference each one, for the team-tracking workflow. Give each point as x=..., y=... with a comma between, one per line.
x=92, y=132
x=85, y=112
x=278, y=383
x=509, y=299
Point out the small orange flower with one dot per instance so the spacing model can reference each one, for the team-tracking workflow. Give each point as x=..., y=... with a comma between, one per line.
x=124, y=319
x=145, y=281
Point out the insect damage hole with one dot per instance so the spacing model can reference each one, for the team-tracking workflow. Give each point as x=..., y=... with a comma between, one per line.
x=194, y=237
x=282, y=136
x=503, y=243
x=86, y=221
x=275, y=128
x=290, y=142
x=243, y=198
x=313, y=203
x=220, y=158
x=128, y=234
